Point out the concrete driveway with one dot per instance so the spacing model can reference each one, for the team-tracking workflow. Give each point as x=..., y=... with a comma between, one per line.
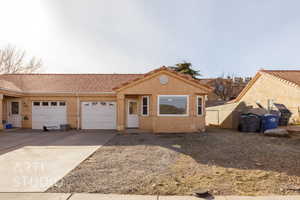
x=32, y=161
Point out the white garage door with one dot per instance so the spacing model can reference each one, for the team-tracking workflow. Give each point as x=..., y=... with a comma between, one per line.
x=98, y=115
x=48, y=113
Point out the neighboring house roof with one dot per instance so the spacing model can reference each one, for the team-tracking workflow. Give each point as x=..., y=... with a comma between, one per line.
x=206, y=80
x=291, y=76
x=64, y=83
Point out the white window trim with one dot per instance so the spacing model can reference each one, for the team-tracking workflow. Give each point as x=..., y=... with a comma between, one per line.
x=46, y=102
x=173, y=115
x=37, y=102
x=148, y=101
x=202, y=107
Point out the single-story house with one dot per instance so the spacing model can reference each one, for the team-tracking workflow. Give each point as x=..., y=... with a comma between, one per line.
x=159, y=101
x=267, y=88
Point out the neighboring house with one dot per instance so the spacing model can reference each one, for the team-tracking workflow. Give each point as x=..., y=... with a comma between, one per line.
x=159, y=101
x=224, y=89
x=267, y=88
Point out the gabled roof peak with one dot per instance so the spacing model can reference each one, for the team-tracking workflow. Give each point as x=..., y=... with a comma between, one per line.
x=164, y=68
x=291, y=76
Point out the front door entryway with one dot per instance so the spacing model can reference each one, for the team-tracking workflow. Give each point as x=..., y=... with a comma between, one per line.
x=132, y=114
x=14, y=113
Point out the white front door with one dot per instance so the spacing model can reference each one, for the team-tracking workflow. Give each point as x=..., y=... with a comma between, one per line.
x=14, y=113
x=132, y=114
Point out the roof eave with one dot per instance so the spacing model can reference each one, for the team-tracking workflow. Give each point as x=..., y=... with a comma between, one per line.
x=205, y=87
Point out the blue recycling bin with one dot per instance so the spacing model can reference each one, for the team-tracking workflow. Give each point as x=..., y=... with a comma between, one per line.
x=269, y=121
x=8, y=126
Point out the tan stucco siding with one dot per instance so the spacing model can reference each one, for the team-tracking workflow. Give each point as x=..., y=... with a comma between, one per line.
x=151, y=87
x=267, y=88
x=154, y=88
x=264, y=88
x=4, y=109
x=26, y=109
x=146, y=123
x=224, y=116
x=73, y=109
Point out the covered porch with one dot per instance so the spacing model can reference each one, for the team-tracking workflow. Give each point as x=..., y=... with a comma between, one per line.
x=134, y=111
x=160, y=113
x=10, y=110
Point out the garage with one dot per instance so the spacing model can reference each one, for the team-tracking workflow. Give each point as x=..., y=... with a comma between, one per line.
x=98, y=115
x=48, y=113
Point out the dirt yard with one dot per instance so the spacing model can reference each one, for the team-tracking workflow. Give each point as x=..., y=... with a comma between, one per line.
x=224, y=162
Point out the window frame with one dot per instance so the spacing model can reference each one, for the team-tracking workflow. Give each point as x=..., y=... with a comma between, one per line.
x=202, y=105
x=44, y=102
x=12, y=107
x=62, y=103
x=128, y=106
x=142, y=106
x=173, y=115
x=36, y=102
x=53, y=102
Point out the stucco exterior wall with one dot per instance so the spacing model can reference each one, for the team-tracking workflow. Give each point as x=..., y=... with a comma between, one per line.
x=71, y=103
x=267, y=88
x=4, y=109
x=153, y=88
x=224, y=116
x=26, y=110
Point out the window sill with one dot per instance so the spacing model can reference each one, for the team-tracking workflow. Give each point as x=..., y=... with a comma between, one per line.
x=159, y=115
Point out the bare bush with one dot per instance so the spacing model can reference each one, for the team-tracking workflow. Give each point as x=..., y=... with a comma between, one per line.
x=13, y=60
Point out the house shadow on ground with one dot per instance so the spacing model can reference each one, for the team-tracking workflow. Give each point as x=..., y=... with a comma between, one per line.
x=226, y=148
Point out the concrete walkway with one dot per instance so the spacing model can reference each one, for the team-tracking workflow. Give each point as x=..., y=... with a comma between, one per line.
x=41, y=161
x=82, y=196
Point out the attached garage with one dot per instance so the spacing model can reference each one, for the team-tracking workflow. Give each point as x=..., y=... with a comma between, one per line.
x=48, y=113
x=98, y=115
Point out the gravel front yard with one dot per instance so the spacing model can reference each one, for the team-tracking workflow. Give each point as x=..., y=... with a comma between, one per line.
x=225, y=162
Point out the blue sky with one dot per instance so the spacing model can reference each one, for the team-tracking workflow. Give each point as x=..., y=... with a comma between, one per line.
x=135, y=36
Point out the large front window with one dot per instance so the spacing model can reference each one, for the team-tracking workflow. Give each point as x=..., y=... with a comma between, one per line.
x=173, y=105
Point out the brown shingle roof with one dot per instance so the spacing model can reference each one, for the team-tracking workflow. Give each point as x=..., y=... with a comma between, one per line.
x=292, y=76
x=77, y=83
x=73, y=83
x=7, y=85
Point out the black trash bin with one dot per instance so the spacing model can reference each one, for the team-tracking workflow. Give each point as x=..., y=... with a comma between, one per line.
x=250, y=123
x=285, y=114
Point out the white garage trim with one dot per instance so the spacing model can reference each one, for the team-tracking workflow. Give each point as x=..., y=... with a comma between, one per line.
x=48, y=113
x=98, y=115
